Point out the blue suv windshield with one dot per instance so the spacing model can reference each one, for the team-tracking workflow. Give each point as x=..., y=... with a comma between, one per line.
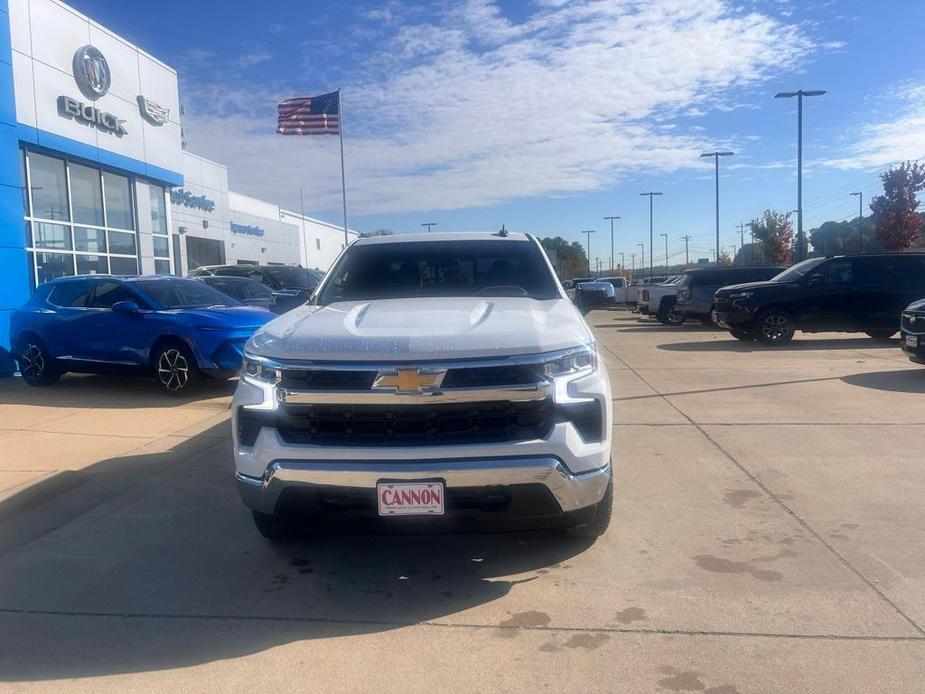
x=183, y=293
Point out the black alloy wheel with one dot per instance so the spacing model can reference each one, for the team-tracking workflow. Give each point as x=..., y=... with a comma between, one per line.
x=774, y=326
x=36, y=366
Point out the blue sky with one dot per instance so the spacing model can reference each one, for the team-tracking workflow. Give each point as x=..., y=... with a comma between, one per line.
x=548, y=115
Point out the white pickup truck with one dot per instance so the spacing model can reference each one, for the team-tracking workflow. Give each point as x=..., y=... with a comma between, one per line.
x=660, y=300
x=441, y=380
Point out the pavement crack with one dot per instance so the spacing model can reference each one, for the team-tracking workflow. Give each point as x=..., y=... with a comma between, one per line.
x=780, y=502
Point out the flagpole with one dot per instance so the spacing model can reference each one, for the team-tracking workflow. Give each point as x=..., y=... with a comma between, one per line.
x=302, y=225
x=343, y=175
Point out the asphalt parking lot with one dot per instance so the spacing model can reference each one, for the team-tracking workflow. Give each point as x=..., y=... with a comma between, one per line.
x=767, y=536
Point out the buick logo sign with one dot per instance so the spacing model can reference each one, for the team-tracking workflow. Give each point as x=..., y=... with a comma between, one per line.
x=91, y=72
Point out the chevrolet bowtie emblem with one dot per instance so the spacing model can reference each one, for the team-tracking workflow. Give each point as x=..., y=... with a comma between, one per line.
x=409, y=381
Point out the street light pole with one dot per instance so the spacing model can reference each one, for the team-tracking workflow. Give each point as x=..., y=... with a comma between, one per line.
x=622, y=261
x=633, y=260
x=666, y=251
x=860, y=197
x=429, y=225
x=800, y=93
x=687, y=260
x=716, y=156
x=611, y=239
x=642, y=257
x=588, y=233
x=651, y=241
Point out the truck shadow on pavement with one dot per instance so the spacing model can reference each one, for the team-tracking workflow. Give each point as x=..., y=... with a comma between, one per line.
x=149, y=561
x=88, y=391
x=797, y=345
x=901, y=381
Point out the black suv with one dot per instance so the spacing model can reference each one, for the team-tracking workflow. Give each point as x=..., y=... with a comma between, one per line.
x=291, y=285
x=913, y=331
x=696, y=288
x=862, y=293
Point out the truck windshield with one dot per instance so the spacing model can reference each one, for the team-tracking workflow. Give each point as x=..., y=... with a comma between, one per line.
x=440, y=268
x=792, y=274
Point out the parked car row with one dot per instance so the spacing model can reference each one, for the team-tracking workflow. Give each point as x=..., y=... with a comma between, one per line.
x=873, y=294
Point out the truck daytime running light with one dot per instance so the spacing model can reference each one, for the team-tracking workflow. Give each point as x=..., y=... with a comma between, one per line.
x=579, y=362
x=258, y=371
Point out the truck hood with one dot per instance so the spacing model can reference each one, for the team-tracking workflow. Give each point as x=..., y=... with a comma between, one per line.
x=731, y=288
x=421, y=329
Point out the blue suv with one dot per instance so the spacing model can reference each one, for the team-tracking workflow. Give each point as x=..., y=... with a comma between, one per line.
x=177, y=330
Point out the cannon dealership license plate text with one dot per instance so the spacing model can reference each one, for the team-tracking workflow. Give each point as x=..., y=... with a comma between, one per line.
x=410, y=498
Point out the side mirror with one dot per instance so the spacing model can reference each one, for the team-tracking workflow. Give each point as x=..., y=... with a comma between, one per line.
x=815, y=280
x=127, y=306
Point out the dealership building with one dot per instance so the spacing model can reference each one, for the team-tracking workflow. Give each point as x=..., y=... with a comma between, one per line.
x=94, y=177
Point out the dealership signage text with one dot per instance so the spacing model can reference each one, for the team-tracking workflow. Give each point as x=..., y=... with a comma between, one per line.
x=187, y=199
x=91, y=115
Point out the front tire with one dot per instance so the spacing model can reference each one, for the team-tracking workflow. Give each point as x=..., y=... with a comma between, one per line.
x=36, y=365
x=268, y=526
x=175, y=369
x=603, y=510
x=774, y=326
x=881, y=334
x=743, y=335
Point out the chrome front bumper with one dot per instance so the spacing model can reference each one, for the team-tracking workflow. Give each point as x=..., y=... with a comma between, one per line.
x=571, y=491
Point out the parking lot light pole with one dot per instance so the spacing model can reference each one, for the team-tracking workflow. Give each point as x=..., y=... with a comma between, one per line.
x=799, y=94
x=860, y=197
x=622, y=261
x=429, y=225
x=612, y=256
x=651, y=241
x=633, y=260
x=642, y=257
x=588, y=233
x=716, y=156
x=665, y=236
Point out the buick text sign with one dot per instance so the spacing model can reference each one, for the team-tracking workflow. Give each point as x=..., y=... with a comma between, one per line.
x=91, y=115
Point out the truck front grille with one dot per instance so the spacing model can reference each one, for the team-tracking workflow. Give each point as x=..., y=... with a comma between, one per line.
x=332, y=380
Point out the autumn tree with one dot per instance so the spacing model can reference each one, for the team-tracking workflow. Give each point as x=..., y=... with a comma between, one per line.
x=775, y=232
x=895, y=219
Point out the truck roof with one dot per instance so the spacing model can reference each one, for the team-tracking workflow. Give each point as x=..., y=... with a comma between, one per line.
x=443, y=236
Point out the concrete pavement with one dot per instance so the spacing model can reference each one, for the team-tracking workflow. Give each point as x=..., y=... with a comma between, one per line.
x=766, y=537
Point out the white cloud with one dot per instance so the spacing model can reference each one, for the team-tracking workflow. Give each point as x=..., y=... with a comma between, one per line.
x=892, y=140
x=474, y=109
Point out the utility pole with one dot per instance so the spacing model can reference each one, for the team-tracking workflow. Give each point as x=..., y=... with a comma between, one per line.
x=587, y=233
x=633, y=259
x=742, y=240
x=651, y=241
x=429, y=225
x=666, y=251
x=611, y=239
x=622, y=262
x=860, y=197
x=642, y=257
x=716, y=156
x=687, y=260
x=800, y=93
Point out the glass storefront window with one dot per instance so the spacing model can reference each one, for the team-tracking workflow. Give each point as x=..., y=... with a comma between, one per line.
x=48, y=185
x=50, y=266
x=161, y=267
x=119, y=212
x=90, y=240
x=57, y=236
x=92, y=264
x=86, y=194
x=121, y=242
x=158, y=210
x=123, y=266
x=161, y=247
x=22, y=181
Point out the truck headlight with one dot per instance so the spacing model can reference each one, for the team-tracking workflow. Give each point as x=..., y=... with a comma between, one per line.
x=259, y=370
x=574, y=363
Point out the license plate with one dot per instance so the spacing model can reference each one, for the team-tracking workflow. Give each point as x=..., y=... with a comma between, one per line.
x=410, y=498
x=714, y=316
x=912, y=340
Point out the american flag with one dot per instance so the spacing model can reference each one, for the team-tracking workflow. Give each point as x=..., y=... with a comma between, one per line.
x=310, y=115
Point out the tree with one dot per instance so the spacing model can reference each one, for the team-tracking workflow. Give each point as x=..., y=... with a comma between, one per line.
x=725, y=258
x=571, y=260
x=896, y=221
x=775, y=232
x=838, y=238
x=375, y=232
